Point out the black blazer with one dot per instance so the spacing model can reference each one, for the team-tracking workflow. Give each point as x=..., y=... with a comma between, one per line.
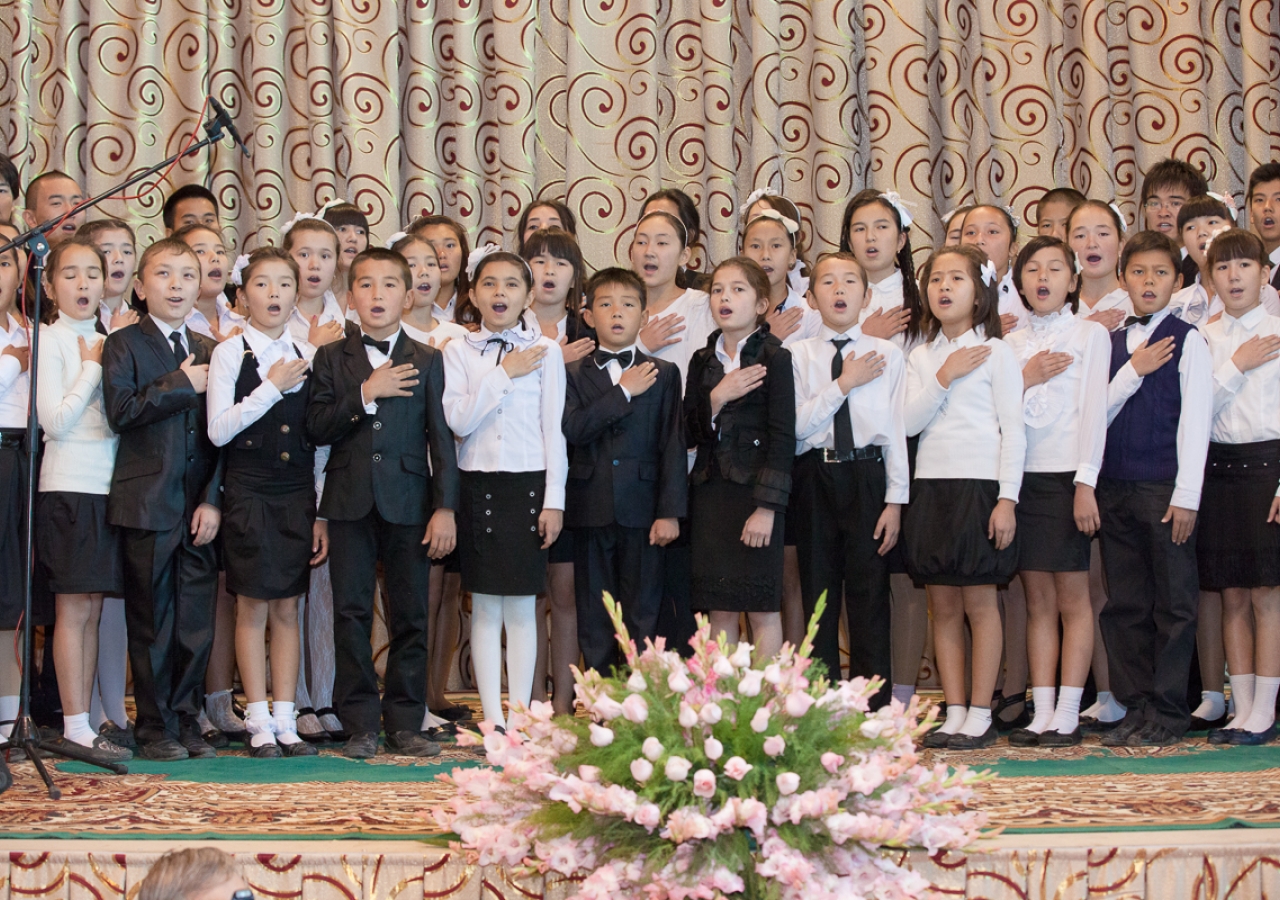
x=627, y=460
x=165, y=463
x=382, y=459
x=754, y=438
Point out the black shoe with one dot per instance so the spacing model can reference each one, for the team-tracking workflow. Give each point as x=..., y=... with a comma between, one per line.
x=1220, y=736
x=309, y=727
x=1154, y=734
x=936, y=740
x=1125, y=734
x=1058, y=739
x=101, y=749
x=1022, y=737
x=1090, y=725
x=197, y=747
x=363, y=745
x=163, y=750
x=439, y=735
x=216, y=739
x=1242, y=738
x=410, y=743
x=270, y=750
x=965, y=742
x=341, y=735
x=121, y=737
x=1199, y=724
x=455, y=713
x=1021, y=720
x=300, y=748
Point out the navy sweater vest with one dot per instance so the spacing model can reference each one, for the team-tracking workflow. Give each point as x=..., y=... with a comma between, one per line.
x=1142, y=441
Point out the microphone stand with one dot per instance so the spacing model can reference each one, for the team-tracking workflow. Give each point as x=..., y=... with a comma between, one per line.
x=25, y=734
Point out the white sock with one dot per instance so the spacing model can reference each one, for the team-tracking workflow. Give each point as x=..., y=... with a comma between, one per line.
x=259, y=724
x=8, y=712
x=1109, y=709
x=1066, y=718
x=520, y=616
x=976, y=721
x=955, y=719
x=903, y=693
x=1263, y=714
x=285, y=718
x=76, y=728
x=1043, y=699
x=113, y=653
x=1213, y=704
x=486, y=653
x=1241, y=698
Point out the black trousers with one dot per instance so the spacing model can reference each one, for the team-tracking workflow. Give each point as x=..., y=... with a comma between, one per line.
x=836, y=508
x=355, y=549
x=676, y=622
x=1153, y=598
x=170, y=587
x=621, y=561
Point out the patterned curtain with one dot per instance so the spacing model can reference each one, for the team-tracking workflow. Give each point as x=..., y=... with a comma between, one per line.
x=473, y=107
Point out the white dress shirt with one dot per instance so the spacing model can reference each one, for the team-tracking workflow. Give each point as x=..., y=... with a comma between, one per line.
x=228, y=319
x=446, y=314
x=614, y=368
x=1117, y=299
x=731, y=365
x=15, y=384
x=1066, y=416
x=79, y=445
x=105, y=312
x=508, y=425
x=1195, y=377
x=1011, y=301
x=810, y=319
x=875, y=408
x=695, y=307
x=167, y=331
x=974, y=428
x=227, y=418
x=1193, y=306
x=1246, y=405
x=377, y=358
x=436, y=336
x=300, y=325
x=886, y=294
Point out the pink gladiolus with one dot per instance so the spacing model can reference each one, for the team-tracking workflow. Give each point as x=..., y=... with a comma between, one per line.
x=787, y=783
x=589, y=774
x=636, y=682
x=635, y=708
x=760, y=721
x=737, y=768
x=723, y=667
x=741, y=657
x=774, y=745
x=704, y=783
x=647, y=816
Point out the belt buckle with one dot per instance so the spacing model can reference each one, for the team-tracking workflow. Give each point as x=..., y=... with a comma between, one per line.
x=831, y=456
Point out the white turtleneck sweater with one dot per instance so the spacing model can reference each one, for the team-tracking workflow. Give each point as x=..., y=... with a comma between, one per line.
x=80, y=447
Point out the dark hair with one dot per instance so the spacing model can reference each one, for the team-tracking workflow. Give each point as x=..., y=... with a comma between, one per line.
x=842, y=256
x=382, y=254
x=346, y=214
x=686, y=209
x=311, y=224
x=986, y=306
x=618, y=276
x=568, y=222
x=1268, y=171
x=562, y=245
x=681, y=229
x=186, y=192
x=788, y=209
x=91, y=230
x=1173, y=173
x=1060, y=195
x=33, y=189
x=166, y=245
x=906, y=261
x=403, y=244
x=1151, y=242
x=755, y=277
x=1034, y=246
x=762, y=218
x=265, y=255
x=59, y=250
x=1008, y=218
x=467, y=312
x=958, y=213
x=181, y=233
x=9, y=172
x=1237, y=243
x=461, y=284
x=1202, y=207
x=1105, y=207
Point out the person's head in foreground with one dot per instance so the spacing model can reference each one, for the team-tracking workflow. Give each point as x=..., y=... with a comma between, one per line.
x=197, y=873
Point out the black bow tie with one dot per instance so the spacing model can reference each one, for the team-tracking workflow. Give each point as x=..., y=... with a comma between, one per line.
x=503, y=345
x=383, y=347
x=602, y=358
x=1138, y=320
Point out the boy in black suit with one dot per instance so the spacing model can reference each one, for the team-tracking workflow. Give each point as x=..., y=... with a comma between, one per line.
x=376, y=398
x=166, y=496
x=628, y=468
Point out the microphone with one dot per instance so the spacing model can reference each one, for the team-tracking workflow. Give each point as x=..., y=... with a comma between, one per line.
x=224, y=119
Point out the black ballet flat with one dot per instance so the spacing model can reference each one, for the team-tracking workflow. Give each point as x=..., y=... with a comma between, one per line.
x=455, y=713
x=936, y=740
x=1242, y=738
x=979, y=742
x=1056, y=739
x=1221, y=736
x=1199, y=724
x=1090, y=725
x=1023, y=737
x=1022, y=720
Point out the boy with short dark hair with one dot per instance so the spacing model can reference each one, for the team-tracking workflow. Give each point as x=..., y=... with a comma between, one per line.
x=1054, y=209
x=1263, y=200
x=191, y=204
x=51, y=196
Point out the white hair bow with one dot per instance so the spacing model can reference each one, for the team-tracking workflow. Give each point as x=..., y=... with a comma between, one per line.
x=1226, y=200
x=754, y=196
x=297, y=217
x=478, y=254
x=1115, y=207
x=1212, y=237
x=396, y=238
x=791, y=225
x=237, y=271
x=336, y=201
x=949, y=215
x=988, y=273
x=1017, y=222
x=895, y=200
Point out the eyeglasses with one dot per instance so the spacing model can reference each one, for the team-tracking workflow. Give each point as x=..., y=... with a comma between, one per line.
x=1173, y=205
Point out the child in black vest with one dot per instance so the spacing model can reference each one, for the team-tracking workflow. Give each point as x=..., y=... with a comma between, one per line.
x=1159, y=407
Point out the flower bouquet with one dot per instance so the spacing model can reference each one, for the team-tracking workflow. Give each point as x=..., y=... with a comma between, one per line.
x=710, y=778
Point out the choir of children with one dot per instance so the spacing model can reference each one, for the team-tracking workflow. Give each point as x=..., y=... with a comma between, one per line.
x=801, y=428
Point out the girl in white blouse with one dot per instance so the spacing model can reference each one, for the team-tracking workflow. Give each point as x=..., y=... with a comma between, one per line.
x=1065, y=373
x=1095, y=231
x=994, y=231
x=78, y=550
x=504, y=399
x=964, y=399
x=877, y=231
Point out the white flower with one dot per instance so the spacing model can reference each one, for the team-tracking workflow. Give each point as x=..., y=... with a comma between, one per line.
x=600, y=736
x=636, y=682
x=677, y=768
x=606, y=707
x=773, y=674
x=798, y=703
x=713, y=748
x=711, y=713
x=742, y=656
x=750, y=684
x=635, y=708
x=723, y=667
x=688, y=716
x=678, y=681
x=641, y=770
x=652, y=748
x=760, y=721
x=787, y=783
x=775, y=745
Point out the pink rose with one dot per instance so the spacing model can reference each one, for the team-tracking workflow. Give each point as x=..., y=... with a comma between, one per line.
x=737, y=768
x=741, y=657
x=704, y=783
x=774, y=745
x=832, y=761
x=636, y=682
x=600, y=736
x=635, y=708
x=688, y=715
x=750, y=684
x=651, y=748
x=798, y=703
x=711, y=713
x=787, y=783
x=647, y=816
x=713, y=748
x=641, y=770
x=760, y=721
x=678, y=681
x=589, y=774
x=606, y=707
x=677, y=768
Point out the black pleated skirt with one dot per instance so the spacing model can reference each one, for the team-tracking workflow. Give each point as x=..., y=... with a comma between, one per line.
x=1048, y=539
x=727, y=574
x=498, y=544
x=945, y=534
x=267, y=519
x=79, y=552
x=1235, y=545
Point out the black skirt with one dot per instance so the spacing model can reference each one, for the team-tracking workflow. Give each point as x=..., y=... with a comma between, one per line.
x=727, y=574
x=1235, y=545
x=1048, y=539
x=79, y=552
x=498, y=543
x=267, y=520
x=945, y=534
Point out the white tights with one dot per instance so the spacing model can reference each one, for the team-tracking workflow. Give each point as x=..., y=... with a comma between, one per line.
x=489, y=613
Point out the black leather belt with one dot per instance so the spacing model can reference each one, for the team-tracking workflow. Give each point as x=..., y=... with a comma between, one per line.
x=874, y=452
x=12, y=439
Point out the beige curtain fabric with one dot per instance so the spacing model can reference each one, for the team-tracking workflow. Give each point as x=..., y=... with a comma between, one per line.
x=472, y=107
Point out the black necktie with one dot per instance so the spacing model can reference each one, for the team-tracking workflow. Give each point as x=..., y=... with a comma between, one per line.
x=179, y=354
x=843, y=421
x=1275, y=278
x=1138, y=320
x=99, y=327
x=602, y=358
x=383, y=347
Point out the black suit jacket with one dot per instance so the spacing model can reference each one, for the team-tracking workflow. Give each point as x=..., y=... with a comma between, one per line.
x=382, y=458
x=165, y=463
x=627, y=461
x=753, y=441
